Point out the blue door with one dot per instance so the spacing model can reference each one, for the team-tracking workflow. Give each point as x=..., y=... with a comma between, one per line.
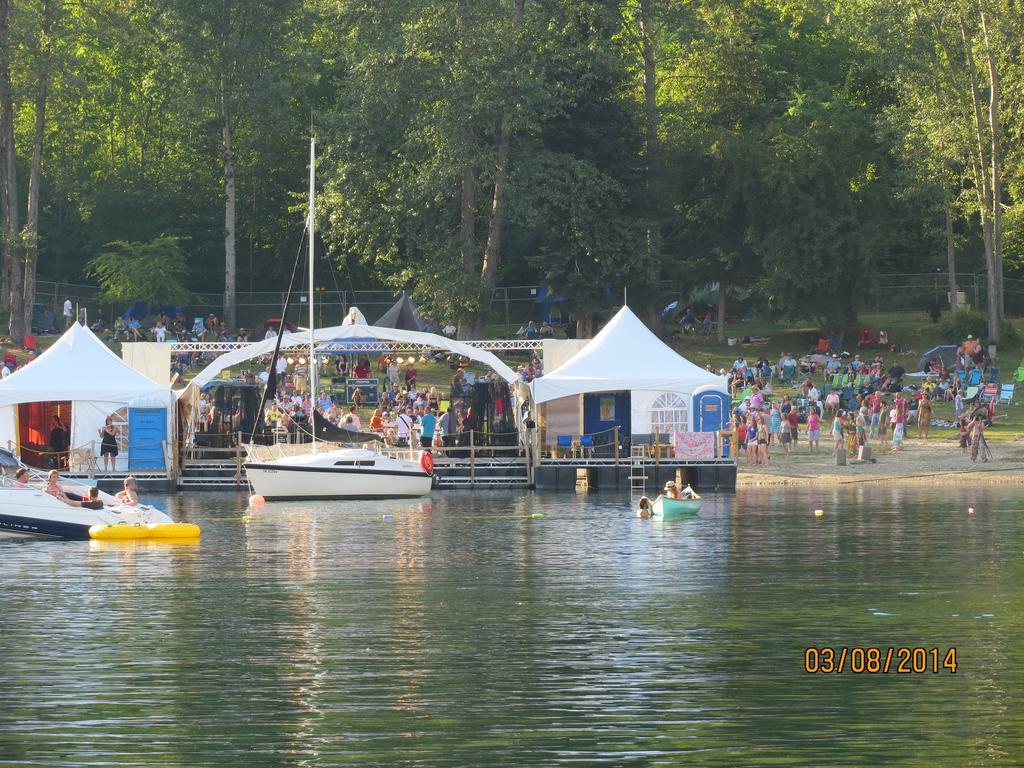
x=710, y=411
x=604, y=410
x=147, y=430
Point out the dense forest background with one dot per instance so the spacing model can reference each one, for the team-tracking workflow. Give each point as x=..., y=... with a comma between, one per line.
x=795, y=151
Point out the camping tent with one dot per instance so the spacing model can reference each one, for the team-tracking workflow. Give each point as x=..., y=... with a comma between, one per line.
x=80, y=369
x=402, y=315
x=663, y=389
x=946, y=353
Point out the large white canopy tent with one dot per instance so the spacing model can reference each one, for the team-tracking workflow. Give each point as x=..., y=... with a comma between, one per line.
x=81, y=369
x=626, y=356
x=354, y=334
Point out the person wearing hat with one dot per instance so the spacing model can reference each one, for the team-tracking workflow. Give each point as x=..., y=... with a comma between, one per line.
x=671, y=490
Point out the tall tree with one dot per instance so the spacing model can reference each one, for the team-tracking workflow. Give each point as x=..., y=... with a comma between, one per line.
x=237, y=52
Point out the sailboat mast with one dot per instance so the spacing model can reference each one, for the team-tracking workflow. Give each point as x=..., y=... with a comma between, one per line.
x=313, y=373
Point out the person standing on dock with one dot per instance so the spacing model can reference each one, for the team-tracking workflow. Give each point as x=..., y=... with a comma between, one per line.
x=428, y=423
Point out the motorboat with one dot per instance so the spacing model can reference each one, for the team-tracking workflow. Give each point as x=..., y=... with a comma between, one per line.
x=27, y=510
x=316, y=470
x=666, y=507
x=336, y=473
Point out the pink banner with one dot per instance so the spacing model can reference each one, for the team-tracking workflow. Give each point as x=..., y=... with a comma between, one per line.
x=695, y=445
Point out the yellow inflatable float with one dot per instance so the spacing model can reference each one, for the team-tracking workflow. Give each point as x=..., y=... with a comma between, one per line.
x=125, y=532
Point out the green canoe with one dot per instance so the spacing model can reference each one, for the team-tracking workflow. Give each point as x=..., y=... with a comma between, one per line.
x=666, y=507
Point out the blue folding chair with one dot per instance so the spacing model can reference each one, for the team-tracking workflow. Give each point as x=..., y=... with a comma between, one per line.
x=975, y=377
x=563, y=444
x=1006, y=394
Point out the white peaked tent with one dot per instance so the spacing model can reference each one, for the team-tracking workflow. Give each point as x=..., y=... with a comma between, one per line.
x=81, y=369
x=626, y=356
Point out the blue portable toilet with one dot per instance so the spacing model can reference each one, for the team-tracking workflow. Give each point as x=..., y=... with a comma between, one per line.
x=710, y=410
x=147, y=431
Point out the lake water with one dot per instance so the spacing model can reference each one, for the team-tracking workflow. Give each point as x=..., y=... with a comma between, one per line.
x=463, y=631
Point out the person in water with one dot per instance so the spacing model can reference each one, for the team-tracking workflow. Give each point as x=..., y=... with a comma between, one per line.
x=643, y=507
x=129, y=496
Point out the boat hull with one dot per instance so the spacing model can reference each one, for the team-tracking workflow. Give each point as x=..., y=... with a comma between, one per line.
x=338, y=475
x=665, y=507
x=31, y=512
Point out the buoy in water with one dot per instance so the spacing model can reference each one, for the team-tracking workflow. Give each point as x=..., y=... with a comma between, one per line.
x=819, y=513
x=536, y=515
x=389, y=517
x=970, y=510
x=257, y=501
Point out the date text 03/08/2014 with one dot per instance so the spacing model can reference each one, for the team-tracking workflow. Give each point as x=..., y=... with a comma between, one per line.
x=903, y=660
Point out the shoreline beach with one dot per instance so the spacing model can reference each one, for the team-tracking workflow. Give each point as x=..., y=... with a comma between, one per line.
x=919, y=463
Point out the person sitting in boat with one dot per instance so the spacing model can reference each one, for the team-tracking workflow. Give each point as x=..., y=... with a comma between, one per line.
x=672, y=490
x=53, y=488
x=130, y=495
x=643, y=507
x=92, y=499
x=21, y=478
x=689, y=493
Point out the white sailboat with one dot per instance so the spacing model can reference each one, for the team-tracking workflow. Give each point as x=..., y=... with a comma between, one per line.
x=340, y=473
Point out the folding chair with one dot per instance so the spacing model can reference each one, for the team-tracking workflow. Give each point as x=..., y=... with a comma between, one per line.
x=822, y=347
x=1005, y=394
x=975, y=378
x=31, y=345
x=990, y=392
x=563, y=444
x=586, y=444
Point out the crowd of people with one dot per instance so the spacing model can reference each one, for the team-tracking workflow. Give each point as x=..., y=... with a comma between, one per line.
x=866, y=401
x=398, y=409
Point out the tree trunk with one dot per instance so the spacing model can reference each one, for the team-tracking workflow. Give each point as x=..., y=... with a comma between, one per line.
x=997, y=166
x=720, y=333
x=229, y=221
x=467, y=227
x=8, y=170
x=984, y=187
x=492, y=250
x=36, y=172
x=951, y=260
x=651, y=119
x=585, y=326
x=467, y=219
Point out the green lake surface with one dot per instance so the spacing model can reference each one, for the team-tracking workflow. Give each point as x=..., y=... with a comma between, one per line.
x=463, y=630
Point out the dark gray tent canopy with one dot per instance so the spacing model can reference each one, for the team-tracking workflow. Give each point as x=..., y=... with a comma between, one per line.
x=402, y=316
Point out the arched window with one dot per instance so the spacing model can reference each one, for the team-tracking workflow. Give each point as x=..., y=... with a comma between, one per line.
x=670, y=413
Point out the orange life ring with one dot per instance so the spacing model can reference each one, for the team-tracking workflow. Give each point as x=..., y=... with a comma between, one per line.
x=427, y=462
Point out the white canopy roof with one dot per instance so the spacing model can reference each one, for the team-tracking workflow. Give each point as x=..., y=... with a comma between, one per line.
x=79, y=367
x=352, y=332
x=625, y=355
